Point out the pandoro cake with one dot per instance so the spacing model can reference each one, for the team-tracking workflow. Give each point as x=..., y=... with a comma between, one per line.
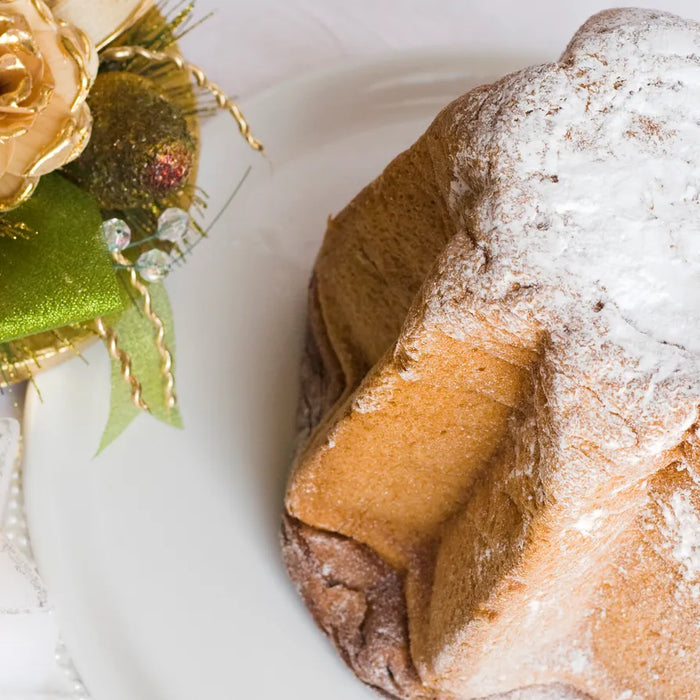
x=498, y=486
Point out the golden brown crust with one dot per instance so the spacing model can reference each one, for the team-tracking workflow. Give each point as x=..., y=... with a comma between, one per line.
x=358, y=601
x=322, y=380
x=355, y=597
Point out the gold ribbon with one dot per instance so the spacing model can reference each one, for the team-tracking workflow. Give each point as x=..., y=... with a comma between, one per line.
x=101, y=20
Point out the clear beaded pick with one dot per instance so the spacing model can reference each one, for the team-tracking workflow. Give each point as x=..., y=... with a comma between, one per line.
x=153, y=265
x=117, y=234
x=174, y=225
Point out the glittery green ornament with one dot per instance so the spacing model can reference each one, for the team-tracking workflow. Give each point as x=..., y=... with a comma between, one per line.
x=141, y=149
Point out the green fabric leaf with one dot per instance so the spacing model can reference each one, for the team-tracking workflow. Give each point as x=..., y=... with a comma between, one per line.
x=61, y=275
x=137, y=338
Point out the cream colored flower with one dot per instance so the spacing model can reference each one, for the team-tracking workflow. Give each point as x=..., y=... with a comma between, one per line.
x=47, y=67
x=101, y=20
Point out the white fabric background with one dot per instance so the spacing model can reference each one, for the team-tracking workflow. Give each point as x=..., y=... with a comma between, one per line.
x=250, y=46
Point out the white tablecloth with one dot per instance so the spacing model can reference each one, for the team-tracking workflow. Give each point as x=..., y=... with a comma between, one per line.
x=248, y=47
x=252, y=45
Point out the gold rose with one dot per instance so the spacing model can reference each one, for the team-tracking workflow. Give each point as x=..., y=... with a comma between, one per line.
x=47, y=67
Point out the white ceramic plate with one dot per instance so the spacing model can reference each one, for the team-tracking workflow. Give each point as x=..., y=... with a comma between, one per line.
x=162, y=553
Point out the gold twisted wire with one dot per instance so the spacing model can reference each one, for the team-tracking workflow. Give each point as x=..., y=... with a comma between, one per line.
x=166, y=367
x=110, y=338
x=127, y=53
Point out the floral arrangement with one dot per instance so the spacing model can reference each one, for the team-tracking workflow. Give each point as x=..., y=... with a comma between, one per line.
x=99, y=144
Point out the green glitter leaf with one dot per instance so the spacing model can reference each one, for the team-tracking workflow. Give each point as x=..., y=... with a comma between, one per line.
x=61, y=275
x=137, y=339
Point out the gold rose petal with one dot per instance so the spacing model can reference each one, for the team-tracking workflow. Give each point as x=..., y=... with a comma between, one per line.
x=102, y=20
x=44, y=97
x=19, y=39
x=42, y=10
x=16, y=81
x=79, y=58
x=81, y=135
x=24, y=190
x=12, y=132
x=20, y=111
x=63, y=139
x=6, y=153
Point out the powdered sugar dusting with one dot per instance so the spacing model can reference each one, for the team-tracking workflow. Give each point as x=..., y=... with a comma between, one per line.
x=374, y=399
x=576, y=189
x=589, y=522
x=578, y=661
x=586, y=225
x=681, y=528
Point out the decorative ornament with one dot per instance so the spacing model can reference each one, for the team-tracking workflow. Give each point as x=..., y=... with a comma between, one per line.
x=111, y=339
x=154, y=265
x=141, y=147
x=40, y=275
x=117, y=235
x=83, y=252
x=173, y=226
x=128, y=53
x=46, y=71
x=101, y=20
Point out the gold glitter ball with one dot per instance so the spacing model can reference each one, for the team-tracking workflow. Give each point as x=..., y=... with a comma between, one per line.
x=141, y=148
